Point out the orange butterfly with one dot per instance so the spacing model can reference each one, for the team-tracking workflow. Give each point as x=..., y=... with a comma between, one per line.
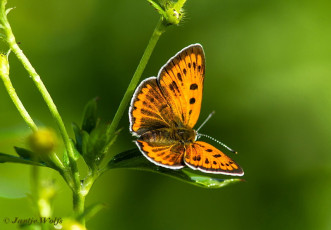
x=164, y=110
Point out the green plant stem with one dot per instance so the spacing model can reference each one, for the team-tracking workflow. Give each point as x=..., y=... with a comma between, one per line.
x=8, y=36
x=10, y=39
x=51, y=106
x=35, y=186
x=79, y=198
x=79, y=204
x=158, y=31
x=17, y=102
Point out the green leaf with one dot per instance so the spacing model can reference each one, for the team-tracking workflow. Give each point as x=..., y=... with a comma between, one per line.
x=90, y=116
x=78, y=136
x=133, y=159
x=76, y=152
x=97, y=145
x=82, y=138
x=33, y=157
x=85, y=141
x=27, y=154
x=93, y=140
x=159, y=7
x=6, y=158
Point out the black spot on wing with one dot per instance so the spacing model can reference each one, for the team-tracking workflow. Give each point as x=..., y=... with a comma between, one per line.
x=193, y=86
x=196, y=158
x=179, y=76
x=192, y=100
x=175, y=86
x=171, y=87
x=165, y=69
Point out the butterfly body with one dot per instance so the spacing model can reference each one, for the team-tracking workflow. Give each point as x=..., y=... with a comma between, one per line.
x=164, y=110
x=170, y=135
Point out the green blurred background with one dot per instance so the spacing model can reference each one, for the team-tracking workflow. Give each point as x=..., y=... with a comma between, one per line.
x=268, y=77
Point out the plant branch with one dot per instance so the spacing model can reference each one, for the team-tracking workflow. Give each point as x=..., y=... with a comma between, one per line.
x=79, y=204
x=35, y=189
x=158, y=31
x=51, y=106
x=9, y=38
x=4, y=75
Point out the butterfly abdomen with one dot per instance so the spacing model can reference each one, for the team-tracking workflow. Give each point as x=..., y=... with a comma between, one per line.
x=158, y=137
x=169, y=136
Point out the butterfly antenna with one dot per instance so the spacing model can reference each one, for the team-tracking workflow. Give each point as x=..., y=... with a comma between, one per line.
x=203, y=123
x=224, y=145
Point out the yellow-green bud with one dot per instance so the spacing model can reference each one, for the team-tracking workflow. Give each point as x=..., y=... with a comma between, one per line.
x=174, y=16
x=42, y=141
x=171, y=12
x=69, y=224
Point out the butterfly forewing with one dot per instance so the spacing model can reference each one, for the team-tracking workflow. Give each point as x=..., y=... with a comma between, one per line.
x=149, y=109
x=181, y=82
x=206, y=158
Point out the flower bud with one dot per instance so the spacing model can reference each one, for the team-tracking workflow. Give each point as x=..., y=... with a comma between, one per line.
x=174, y=16
x=171, y=12
x=69, y=224
x=43, y=141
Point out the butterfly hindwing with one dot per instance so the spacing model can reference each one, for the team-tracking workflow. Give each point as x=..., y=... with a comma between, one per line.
x=206, y=158
x=168, y=154
x=181, y=82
